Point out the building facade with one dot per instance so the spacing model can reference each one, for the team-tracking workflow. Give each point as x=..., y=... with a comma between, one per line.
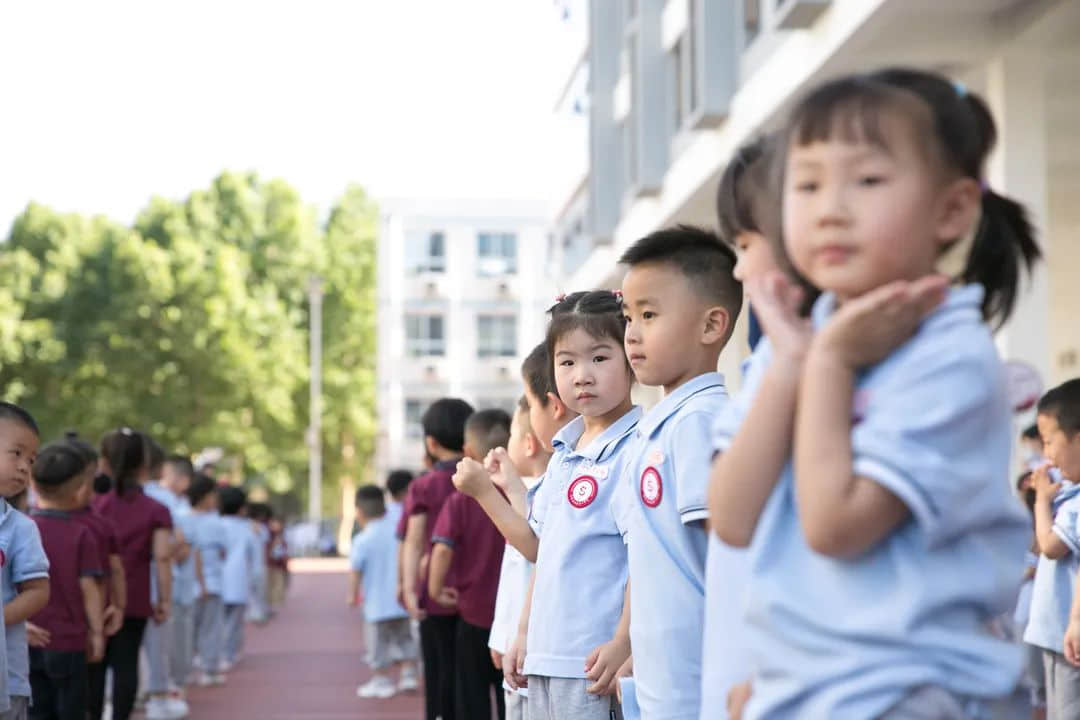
x=461, y=300
x=672, y=87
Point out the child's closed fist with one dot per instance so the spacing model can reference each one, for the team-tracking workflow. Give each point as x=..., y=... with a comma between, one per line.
x=502, y=470
x=1043, y=484
x=471, y=478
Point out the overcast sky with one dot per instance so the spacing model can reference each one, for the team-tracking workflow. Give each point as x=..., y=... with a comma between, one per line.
x=108, y=103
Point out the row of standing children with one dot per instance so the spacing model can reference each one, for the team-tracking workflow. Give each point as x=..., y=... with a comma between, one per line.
x=837, y=540
x=89, y=560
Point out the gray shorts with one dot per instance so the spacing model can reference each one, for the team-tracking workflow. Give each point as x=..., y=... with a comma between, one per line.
x=1062, y=686
x=934, y=703
x=552, y=698
x=20, y=706
x=389, y=642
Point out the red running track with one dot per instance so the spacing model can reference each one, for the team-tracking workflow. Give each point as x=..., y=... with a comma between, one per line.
x=306, y=663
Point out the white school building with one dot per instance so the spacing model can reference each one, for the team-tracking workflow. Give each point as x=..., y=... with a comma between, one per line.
x=665, y=90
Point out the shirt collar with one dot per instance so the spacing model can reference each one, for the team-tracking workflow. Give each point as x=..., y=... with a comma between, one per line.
x=446, y=465
x=676, y=399
x=5, y=510
x=48, y=512
x=961, y=303
x=569, y=435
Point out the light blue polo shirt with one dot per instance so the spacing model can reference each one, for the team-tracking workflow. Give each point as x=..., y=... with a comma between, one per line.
x=5, y=701
x=374, y=555
x=1052, y=591
x=163, y=495
x=185, y=581
x=211, y=541
x=23, y=559
x=240, y=552
x=842, y=638
x=663, y=492
x=581, y=570
x=724, y=655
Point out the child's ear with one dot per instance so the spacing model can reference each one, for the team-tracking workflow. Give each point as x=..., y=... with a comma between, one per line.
x=959, y=211
x=717, y=326
x=532, y=445
x=558, y=407
x=430, y=445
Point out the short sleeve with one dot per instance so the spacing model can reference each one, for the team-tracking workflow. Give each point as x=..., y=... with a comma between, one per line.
x=161, y=518
x=731, y=416
x=357, y=557
x=928, y=435
x=691, y=456
x=28, y=562
x=448, y=530
x=1066, y=520
x=537, y=499
x=89, y=559
x=418, y=501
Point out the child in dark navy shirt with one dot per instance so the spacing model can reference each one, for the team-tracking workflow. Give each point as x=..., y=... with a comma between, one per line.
x=73, y=617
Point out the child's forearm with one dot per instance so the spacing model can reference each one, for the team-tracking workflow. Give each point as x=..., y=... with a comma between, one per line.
x=199, y=576
x=354, y=586
x=442, y=556
x=622, y=632
x=744, y=476
x=119, y=582
x=841, y=514
x=33, y=596
x=1050, y=544
x=511, y=523
x=163, y=552
x=93, y=605
x=412, y=549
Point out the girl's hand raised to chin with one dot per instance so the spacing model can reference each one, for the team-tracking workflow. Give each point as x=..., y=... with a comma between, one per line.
x=776, y=300
x=866, y=329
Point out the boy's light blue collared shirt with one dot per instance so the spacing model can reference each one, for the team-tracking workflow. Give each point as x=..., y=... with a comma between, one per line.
x=1055, y=580
x=240, y=552
x=834, y=637
x=185, y=581
x=211, y=541
x=374, y=554
x=23, y=558
x=663, y=501
x=580, y=575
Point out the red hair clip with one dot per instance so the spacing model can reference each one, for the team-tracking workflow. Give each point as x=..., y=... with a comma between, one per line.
x=560, y=298
x=617, y=293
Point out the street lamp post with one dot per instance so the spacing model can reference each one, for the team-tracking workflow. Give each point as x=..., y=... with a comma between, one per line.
x=315, y=297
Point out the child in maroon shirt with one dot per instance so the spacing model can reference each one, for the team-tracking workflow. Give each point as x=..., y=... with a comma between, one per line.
x=467, y=546
x=73, y=617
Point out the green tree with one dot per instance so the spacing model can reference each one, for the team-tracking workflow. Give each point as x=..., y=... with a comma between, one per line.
x=193, y=324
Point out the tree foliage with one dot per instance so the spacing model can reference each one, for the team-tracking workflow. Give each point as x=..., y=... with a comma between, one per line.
x=193, y=325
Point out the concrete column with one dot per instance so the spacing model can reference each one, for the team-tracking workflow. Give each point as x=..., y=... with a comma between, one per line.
x=1016, y=92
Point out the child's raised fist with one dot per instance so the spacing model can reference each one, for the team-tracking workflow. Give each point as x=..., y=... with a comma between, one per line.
x=471, y=478
x=502, y=470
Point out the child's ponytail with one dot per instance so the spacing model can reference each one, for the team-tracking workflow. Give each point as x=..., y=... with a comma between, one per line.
x=125, y=452
x=1004, y=245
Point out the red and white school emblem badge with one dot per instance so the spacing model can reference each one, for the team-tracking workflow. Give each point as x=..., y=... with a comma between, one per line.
x=652, y=487
x=582, y=491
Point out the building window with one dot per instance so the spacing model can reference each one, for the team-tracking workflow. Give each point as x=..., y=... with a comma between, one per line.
x=496, y=336
x=496, y=253
x=426, y=252
x=424, y=335
x=414, y=412
x=675, y=75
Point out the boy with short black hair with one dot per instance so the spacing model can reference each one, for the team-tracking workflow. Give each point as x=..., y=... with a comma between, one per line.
x=210, y=543
x=177, y=476
x=528, y=454
x=681, y=301
x=444, y=440
x=467, y=547
x=73, y=617
x=241, y=554
x=397, y=486
x=1051, y=626
x=388, y=630
x=25, y=566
